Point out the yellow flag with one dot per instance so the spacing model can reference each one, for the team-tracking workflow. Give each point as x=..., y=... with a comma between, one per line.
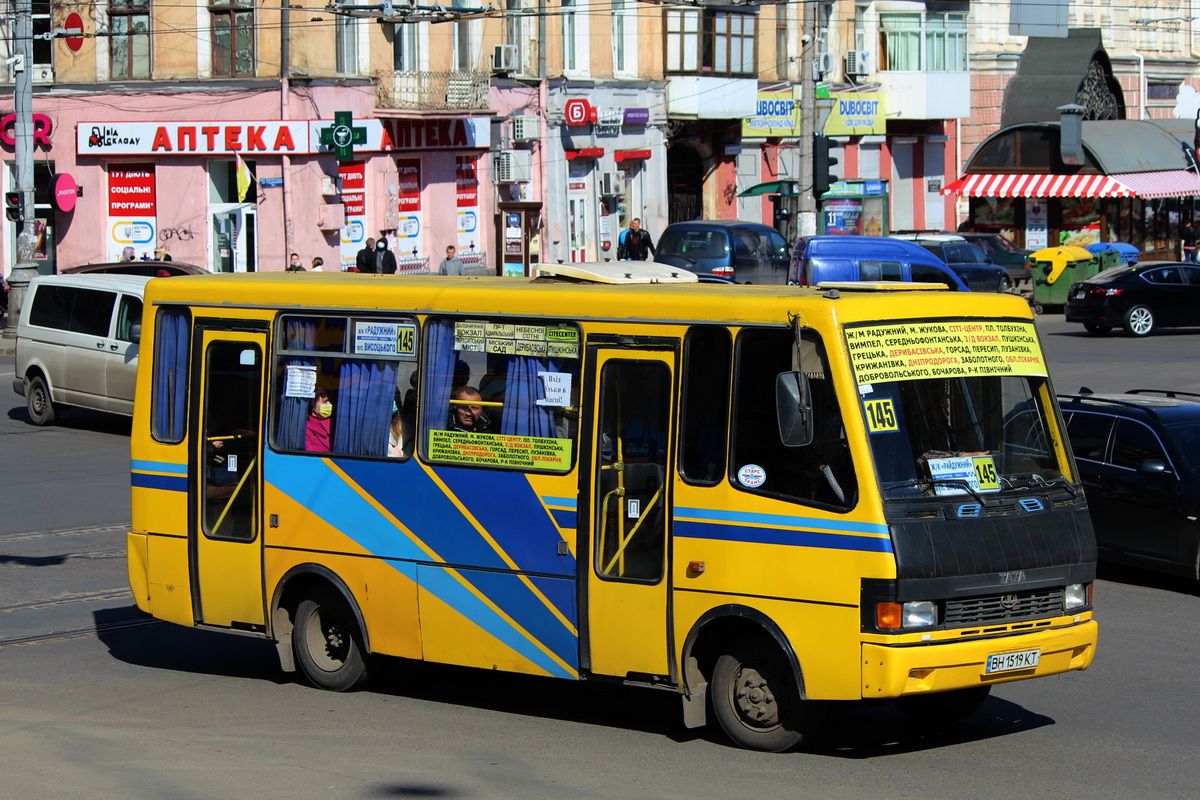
x=243, y=178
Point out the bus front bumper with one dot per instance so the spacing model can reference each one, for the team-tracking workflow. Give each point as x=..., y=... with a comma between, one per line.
x=891, y=671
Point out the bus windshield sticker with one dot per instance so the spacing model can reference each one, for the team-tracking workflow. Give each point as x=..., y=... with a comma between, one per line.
x=494, y=450
x=881, y=415
x=557, y=389
x=301, y=381
x=944, y=350
x=752, y=476
x=953, y=475
x=382, y=339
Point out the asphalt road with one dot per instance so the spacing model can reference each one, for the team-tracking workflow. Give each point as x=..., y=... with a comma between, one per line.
x=97, y=703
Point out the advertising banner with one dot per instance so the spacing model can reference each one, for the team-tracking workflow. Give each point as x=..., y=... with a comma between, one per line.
x=466, y=178
x=354, y=198
x=132, y=212
x=408, y=242
x=856, y=114
x=776, y=113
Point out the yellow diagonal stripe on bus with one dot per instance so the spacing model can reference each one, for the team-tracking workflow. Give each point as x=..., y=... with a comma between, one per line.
x=433, y=556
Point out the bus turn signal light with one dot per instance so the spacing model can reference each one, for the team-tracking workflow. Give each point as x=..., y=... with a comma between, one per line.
x=888, y=616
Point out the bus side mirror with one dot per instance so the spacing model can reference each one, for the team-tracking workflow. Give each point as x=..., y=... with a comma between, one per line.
x=793, y=408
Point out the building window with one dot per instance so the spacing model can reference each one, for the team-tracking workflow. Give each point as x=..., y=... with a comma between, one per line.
x=42, y=25
x=463, y=60
x=1162, y=91
x=405, y=54
x=129, y=23
x=929, y=42
x=347, y=44
x=575, y=32
x=712, y=42
x=624, y=37
x=232, y=37
x=513, y=29
x=782, y=52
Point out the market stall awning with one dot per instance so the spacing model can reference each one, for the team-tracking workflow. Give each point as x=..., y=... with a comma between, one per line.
x=772, y=187
x=1009, y=185
x=1173, y=183
x=1170, y=183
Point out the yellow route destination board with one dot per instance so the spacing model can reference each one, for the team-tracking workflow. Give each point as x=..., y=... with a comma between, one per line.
x=527, y=452
x=966, y=348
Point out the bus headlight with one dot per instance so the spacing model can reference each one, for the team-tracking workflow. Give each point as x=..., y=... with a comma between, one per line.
x=913, y=614
x=1075, y=596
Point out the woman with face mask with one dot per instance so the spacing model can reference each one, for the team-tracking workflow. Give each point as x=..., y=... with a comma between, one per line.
x=385, y=260
x=317, y=429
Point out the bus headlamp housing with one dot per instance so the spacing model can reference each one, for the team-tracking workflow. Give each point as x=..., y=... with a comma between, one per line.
x=905, y=616
x=1075, y=596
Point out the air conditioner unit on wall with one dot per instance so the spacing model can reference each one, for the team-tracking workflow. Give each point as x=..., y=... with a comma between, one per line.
x=610, y=184
x=526, y=128
x=858, y=62
x=513, y=166
x=505, y=58
x=823, y=63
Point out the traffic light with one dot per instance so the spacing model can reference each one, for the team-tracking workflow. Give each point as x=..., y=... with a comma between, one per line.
x=12, y=205
x=822, y=161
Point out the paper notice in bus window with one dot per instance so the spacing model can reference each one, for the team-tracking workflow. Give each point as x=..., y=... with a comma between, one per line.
x=948, y=349
x=300, y=380
x=487, y=449
x=557, y=389
x=954, y=475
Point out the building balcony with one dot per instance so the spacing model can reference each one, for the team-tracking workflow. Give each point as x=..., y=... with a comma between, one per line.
x=433, y=91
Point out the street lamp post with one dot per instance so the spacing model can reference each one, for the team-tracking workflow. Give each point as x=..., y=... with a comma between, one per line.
x=22, y=65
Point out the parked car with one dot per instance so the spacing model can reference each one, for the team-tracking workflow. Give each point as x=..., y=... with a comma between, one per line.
x=1139, y=297
x=818, y=259
x=744, y=252
x=154, y=269
x=77, y=343
x=967, y=260
x=1138, y=456
x=1002, y=253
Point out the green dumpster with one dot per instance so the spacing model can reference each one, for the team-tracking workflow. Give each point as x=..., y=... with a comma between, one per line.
x=1054, y=269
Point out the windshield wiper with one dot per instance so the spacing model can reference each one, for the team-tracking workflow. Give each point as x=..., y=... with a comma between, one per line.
x=924, y=482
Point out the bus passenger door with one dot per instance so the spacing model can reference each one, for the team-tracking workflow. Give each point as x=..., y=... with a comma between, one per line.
x=627, y=581
x=225, y=536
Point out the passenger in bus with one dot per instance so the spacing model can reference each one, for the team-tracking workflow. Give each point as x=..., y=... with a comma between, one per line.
x=465, y=415
x=396, y=434
x=317, y=429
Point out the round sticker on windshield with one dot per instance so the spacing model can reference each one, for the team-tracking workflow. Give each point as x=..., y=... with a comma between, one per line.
x=752, y=475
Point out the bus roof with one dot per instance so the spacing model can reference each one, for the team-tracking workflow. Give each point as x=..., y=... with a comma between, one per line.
x=524, y=297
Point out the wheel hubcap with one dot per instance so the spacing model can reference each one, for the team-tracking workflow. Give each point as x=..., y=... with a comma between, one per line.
x=1141, y=320
x=754, y=700
x=326, y=641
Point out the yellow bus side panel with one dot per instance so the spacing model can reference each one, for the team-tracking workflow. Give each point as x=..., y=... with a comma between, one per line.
x=137, y=562
x=894, y=671
x=170, y=584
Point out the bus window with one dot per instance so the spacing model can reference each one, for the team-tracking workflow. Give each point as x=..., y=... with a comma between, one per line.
x=172, y=345
x=705, y=411
x=821, y=473
x=500, y=393
x=232, y=394
x=346, y=386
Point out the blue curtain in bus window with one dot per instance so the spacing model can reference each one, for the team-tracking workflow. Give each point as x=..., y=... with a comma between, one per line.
x=522, y=389
x=171, y=375
x=439, y=375
x=362, y=412
x=293, y=411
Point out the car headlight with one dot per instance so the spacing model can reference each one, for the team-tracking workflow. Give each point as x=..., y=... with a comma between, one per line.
x=1075, y=596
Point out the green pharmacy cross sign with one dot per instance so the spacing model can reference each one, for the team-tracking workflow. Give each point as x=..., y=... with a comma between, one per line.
x=342, y=136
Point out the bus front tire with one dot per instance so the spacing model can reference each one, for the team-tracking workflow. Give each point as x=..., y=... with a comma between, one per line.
x=37, y=401
x=326, y=640
x=944, y=707
x=756, y=701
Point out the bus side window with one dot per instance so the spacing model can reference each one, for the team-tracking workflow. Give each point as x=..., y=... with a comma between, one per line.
x=708, y=352
x=172, y=349
x=820, y=473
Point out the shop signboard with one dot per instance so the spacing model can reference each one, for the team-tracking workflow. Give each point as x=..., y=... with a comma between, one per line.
x=132, y=211
x=856, y=114
x=776, y=113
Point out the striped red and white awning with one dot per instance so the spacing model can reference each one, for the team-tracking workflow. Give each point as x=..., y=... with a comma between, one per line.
x=989, y=185
x=1172, y=183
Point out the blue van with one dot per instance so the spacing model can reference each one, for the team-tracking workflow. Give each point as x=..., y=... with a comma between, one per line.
x=866, y=258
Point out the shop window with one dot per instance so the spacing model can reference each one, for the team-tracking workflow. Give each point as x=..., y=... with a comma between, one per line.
x=232, y=37
x=129, y=48
x=346, y=386
x=500, y=393
x=924, y=42
x=710, y=41
x=819, y=474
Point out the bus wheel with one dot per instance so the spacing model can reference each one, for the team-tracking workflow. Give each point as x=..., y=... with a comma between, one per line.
x=756, y=700
x=326, y=641
x=37, y=401
x=943, y=707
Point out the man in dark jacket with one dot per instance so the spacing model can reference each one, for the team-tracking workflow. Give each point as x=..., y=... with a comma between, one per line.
x=364, y=260
x=634, y=244
x=384, y=260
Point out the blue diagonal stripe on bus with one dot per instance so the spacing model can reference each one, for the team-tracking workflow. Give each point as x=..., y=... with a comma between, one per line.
x=141, y=465
x=407, y=493
x=702, y=523
x=780, y=520
x=170, y=483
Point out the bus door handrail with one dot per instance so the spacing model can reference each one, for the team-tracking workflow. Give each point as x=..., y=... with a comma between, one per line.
x=233, y=496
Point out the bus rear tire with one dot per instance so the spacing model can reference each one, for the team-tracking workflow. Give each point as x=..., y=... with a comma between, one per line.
x=756, y=701
x=326, y=642
x=944, y=707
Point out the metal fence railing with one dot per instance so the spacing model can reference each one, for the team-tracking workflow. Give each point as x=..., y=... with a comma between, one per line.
x=476, y=264
x=433, y=90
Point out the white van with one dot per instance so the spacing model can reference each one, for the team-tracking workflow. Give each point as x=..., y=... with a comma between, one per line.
x=77, y=343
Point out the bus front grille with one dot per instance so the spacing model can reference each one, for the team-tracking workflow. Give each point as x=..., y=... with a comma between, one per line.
x=1000, y=608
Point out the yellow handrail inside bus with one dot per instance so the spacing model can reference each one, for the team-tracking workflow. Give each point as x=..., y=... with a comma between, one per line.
x=233, y=495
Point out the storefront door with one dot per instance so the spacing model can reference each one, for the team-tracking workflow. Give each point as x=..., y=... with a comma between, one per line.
x=233, y=242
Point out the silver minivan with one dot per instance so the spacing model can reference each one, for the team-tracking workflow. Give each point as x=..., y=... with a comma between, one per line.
x=77, y=343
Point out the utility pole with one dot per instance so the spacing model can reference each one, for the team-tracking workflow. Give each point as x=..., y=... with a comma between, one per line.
x=807, y=222
x=22, y=65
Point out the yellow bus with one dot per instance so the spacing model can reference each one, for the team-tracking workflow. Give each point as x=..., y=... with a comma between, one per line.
x=764, y=499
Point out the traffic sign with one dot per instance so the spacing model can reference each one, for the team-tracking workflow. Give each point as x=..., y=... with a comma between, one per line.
x=74, y=29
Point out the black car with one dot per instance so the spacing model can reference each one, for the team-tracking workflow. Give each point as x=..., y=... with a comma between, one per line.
x=1138, y=297
x=742, y=252
x=967, y=261
x=1002, y=253
x=1138, y=456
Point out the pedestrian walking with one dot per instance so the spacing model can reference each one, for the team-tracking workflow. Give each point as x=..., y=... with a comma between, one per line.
x=364, y=260
x=384, y=260
x=634, y=244
x=1188, y=236
x=452, y=264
